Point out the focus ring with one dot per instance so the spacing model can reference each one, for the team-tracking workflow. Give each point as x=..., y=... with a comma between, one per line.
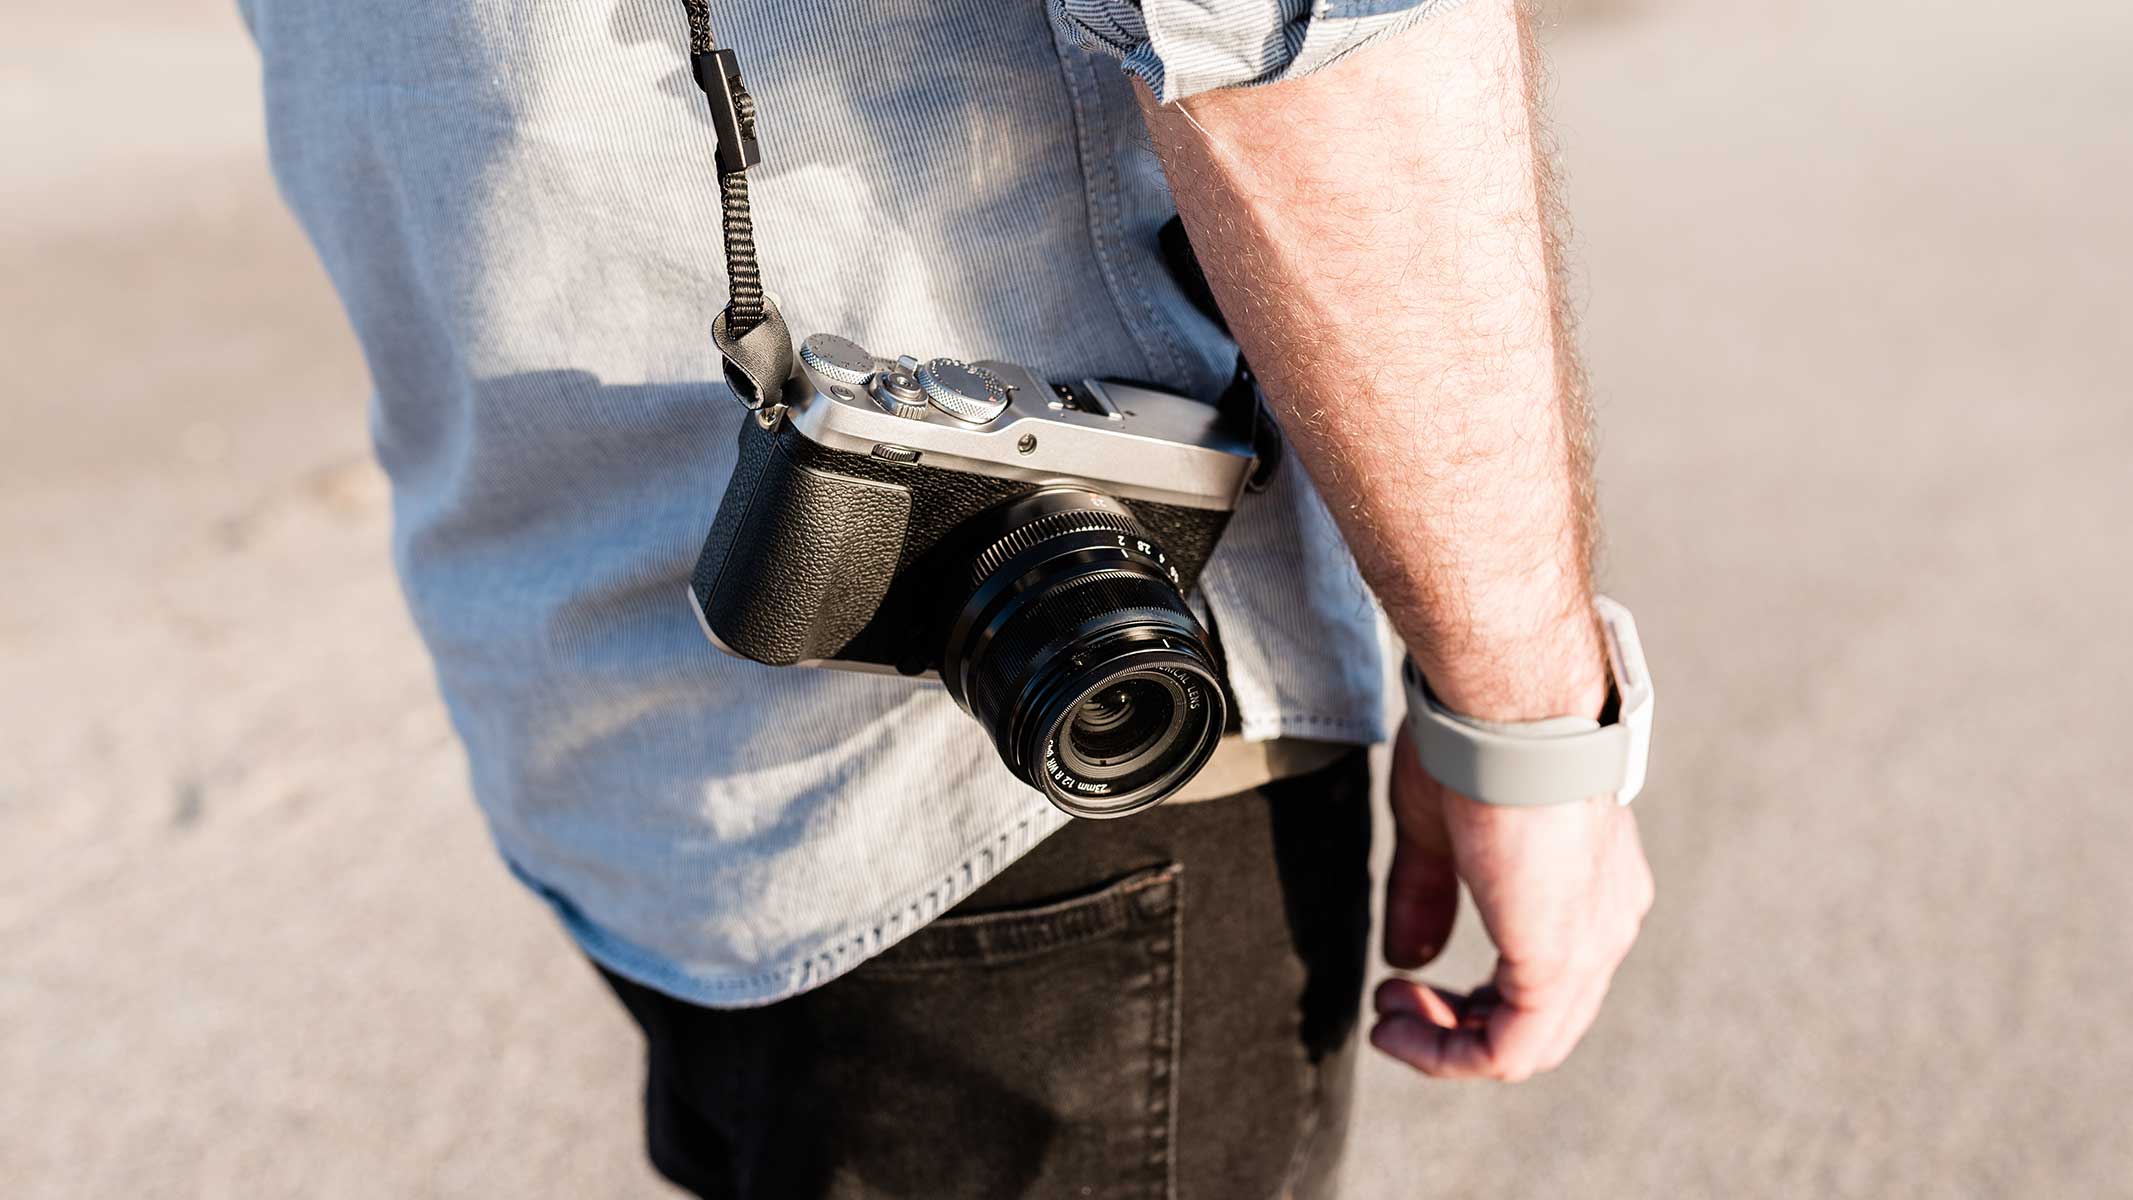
x=1050, y=525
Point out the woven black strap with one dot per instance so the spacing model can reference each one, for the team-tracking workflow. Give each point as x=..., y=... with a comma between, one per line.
x=756, y=366
x=744, y=275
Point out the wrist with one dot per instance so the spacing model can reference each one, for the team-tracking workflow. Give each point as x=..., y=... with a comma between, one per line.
x=1551, y=760
x=1555, y=669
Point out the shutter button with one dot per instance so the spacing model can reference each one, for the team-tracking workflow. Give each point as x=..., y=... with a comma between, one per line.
x=898, y=391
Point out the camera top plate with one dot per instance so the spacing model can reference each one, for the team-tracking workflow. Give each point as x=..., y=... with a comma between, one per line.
x=1130, y=441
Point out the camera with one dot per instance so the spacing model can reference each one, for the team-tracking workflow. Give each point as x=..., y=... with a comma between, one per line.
x=1030, y=544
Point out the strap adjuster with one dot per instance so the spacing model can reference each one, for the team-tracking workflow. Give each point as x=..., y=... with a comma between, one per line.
x=718, y=73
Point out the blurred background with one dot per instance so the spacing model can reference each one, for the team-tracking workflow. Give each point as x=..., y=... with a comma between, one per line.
x=1856, y=286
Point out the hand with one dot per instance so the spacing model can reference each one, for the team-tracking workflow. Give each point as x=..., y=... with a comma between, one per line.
x=1562, y=891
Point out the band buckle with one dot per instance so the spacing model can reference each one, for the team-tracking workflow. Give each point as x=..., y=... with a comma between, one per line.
x=718, y=73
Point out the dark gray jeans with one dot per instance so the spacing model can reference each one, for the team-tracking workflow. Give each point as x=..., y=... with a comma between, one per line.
x=1159, y=1006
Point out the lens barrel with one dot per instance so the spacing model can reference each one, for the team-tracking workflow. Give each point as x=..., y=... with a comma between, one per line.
x=1076, y=651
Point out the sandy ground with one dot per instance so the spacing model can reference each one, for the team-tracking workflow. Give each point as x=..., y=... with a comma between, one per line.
x=1857, y=317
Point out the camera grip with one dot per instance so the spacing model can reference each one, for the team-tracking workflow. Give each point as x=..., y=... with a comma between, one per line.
x=799, y=558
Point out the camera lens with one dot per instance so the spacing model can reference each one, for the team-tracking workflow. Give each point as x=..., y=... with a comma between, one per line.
x=1076, y=651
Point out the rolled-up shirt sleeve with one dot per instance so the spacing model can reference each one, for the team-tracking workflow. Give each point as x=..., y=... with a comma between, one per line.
x=1183, y=47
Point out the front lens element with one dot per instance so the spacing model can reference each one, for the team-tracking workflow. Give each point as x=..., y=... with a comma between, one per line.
x=1122, y=727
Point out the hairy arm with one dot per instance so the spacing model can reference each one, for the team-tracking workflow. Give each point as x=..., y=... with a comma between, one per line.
x=1380, y=235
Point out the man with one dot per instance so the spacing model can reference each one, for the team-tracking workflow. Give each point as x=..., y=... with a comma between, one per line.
x=515, y=201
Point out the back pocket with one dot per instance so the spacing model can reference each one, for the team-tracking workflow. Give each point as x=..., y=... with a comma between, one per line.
x=1018, y=1052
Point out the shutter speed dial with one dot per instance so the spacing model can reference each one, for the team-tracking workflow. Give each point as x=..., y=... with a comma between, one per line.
x=967, y=393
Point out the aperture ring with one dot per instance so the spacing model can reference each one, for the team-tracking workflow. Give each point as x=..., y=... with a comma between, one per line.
x=1050, y=525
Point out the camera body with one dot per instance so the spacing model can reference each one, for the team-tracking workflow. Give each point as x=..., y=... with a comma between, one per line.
x=1029, y=543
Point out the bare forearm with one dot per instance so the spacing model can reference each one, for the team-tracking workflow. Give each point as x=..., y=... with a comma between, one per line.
x=1379, y=235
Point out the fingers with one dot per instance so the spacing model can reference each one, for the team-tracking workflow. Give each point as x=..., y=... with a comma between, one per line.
x=1405, y=997
x=1434, y=1050
x=1484, y=1035
x=1577, y=1020
x=1422, y=888
x=1421, y=904
x=1505, y=1046
x=1428, y=1030
x=1439, y=1033
x=1519, y=1039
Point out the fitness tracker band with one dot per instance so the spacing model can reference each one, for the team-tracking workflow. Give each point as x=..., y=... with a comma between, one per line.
x=1558, y=760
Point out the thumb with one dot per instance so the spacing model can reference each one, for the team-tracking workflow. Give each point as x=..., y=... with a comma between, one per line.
x=1422, y=888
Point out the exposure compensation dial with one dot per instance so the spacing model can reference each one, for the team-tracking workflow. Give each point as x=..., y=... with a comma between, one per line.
x=967, y=393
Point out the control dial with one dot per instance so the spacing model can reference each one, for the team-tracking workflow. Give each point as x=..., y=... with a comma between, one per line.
x=967, y=393
x=841, y=359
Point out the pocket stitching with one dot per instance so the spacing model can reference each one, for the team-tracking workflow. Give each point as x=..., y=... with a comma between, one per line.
x=1164, y=1039
x=1019, y=934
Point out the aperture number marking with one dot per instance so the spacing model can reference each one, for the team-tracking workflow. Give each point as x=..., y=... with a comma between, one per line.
x=1148, y=550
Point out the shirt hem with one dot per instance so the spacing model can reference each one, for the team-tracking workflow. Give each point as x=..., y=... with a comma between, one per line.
x=831, y=958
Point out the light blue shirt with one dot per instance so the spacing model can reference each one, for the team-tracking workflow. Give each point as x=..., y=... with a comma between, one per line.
x=515, y=200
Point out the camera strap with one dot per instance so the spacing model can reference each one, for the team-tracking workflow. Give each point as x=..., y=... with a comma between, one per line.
x=752, y=339
x=750, y=333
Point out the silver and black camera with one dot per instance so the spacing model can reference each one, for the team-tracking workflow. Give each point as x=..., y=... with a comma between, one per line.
x=1030, y=543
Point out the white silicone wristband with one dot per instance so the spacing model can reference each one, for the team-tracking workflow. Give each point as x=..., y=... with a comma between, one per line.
x=1552, y=761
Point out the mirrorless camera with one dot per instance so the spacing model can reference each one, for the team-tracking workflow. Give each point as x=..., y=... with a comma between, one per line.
x=1029, y=543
